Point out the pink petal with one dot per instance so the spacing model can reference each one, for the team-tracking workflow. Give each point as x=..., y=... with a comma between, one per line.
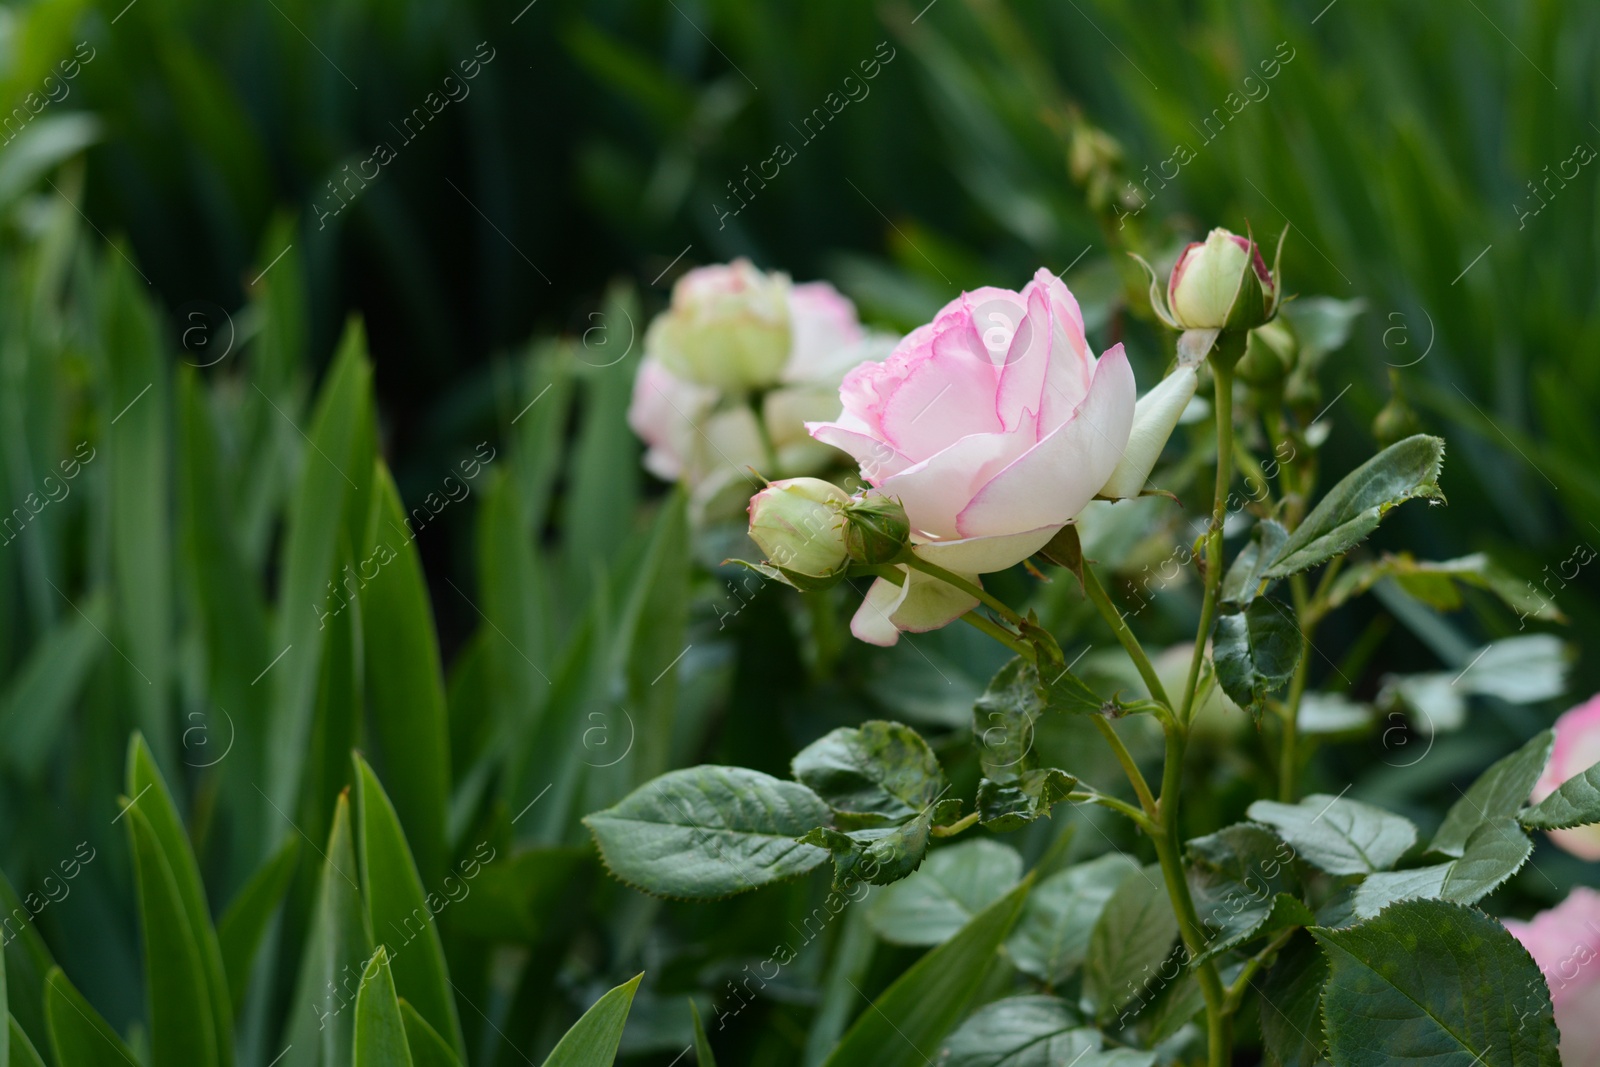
x=935, y=491
x=943, y=392
x=1027, y=365
x=877, y=459
x=871, y=622
x=919, y=604
x=1051, y=482
x=982, y=555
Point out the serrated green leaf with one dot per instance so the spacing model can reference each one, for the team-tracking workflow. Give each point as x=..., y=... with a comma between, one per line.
x=1236, y=876
x=1242, y=583
x=708, y=832
x=380, y=1033
x=1003, y=720
x=1495, y=851
x=1291, y=1005
x=1353, y=508
x=1003, y=807
x=953, y=885
x=880, y=855
x=405, y=683
x=175, y=979
x=1576, y=802
x=1256, y=651
x=872, y=775
x=155, y=805
x=1435, y=583
x=242, y=926
x=401, y=912
x=1032, y=1031
x=593, y=1039
x=79, y=1037
x=922, y=1006
x=1338, y=835
x=428, y=1049
x=703, y=1056
x=1052, y=936
x=1429, y=981
x=1500, y=792
x=1132, y=937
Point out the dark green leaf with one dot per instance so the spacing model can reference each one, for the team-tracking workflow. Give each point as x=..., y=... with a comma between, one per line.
x=405, y=685
x=1008, y=806
x=955, y=883
x=1131, y=939
x=21, y=1050
x=872, y=775
x=904, y=1026
x=1338, y=835
x=1429, y=981
x=593, y=1039
x=703, y=1056
x=1500, y=791
x=1243, y=580
x=1236, y=876
x=1032, y=1031
x=428, y=1049
x=1353, y=508
x=880, y=855
x=1495, y=851
x=708, y=832
x=180, y=1002
x=1052, y=936
x=1435, y=583
x=1291, y=1005
x=27, y=960
x=1576, y=802
x=401, y=912
x=380, y=1037
x=79, y=1037
x=1003, y=720
x=241, y=928
x=1256, y=651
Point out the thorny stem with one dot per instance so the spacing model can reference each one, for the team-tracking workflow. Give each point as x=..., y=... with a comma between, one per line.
x=1129, y=642
x=1129, y=767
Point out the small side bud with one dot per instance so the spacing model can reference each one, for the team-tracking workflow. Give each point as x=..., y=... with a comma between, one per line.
x=1396, y=421
x=876, y=530
x=797, y=524
x=1269, y=355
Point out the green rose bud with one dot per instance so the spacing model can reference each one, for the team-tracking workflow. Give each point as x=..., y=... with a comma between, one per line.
x=797, y=522
x=1396, y=421
x=1221, y=284
x=875, y=529
x=1269, y=355
x=728, y=327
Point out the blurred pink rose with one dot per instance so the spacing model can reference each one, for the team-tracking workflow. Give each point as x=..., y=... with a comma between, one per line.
x=1565, y=943
x=993, y=425
x=1577, y=749
x=699, y=428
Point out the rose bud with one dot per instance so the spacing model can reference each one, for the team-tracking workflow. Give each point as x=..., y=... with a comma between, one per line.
x=1269, y=355
x=876, y=529
x=1577, y=748
x=728, y=327
x=797, y=522
x=1155, y=416
x=1221, y=284
x=1396, y=421
x=1565, y=943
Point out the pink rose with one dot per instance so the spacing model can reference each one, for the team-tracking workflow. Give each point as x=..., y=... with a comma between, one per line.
x=731, y=328
x=1565, y=943
x=993, y=425
x=1577, y=749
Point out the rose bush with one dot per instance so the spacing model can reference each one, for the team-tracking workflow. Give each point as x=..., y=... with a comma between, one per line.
x=1577, y=748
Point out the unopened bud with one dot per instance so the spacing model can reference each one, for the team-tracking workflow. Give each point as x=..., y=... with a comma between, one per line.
x=1396, y=421
x=1222, y=283
x=797, y=523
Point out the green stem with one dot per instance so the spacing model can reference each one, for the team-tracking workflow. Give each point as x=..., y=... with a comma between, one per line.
x=995, y=604
x=1223, y=373
x=768, y=449
x=1129, y=767
x=963, y=823
x=1252, y=967
x=1289, y=756
x=1168, y=851
x=1120, y=806
x=999, y=633
x=1129, y=642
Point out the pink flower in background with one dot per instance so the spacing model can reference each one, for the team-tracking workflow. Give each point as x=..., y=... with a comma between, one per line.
x=1577, y=748
x=1565, y=943
x=732, y=330
x=993, y=425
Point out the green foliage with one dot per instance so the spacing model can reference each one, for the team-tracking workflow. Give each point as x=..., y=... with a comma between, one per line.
x=380, y=1032
x=593, y=1039
x=1576, y=802
x=1498, y=794
x=876, y=774
x=1032, y=1032
x=953, y=885
x=1340, y=836
x=1052, y=936
x=1428, y=979
x=1131, y=938
x=1256, y=651
x=709, y=832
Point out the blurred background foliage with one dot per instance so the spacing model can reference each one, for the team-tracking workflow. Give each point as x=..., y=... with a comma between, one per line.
x=485, y=296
